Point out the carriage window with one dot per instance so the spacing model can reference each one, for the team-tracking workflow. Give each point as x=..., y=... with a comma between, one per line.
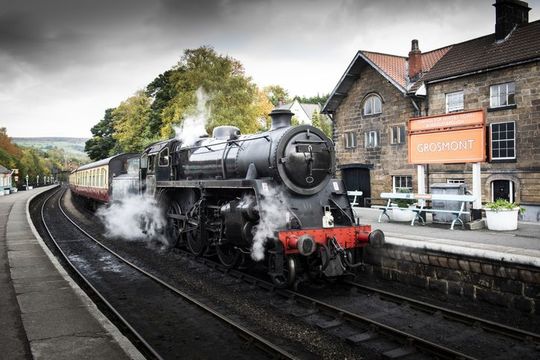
x=164, y=157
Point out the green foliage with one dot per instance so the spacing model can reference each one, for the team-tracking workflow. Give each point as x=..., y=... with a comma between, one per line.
x=323, y=123
x=131, y=121
x=317, y=99
x=404, y=203
x=233, y=98
x=102, y=143
x=30, y=161
x=277, y=94
x=502, y=205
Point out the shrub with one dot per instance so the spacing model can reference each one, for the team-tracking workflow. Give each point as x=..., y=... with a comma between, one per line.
x=503, y=204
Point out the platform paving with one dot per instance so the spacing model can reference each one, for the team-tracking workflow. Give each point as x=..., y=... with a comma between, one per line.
x=43, y=313
x=520, y=246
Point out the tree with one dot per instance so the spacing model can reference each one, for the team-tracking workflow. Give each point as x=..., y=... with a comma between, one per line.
x=323, y=123
x=277, y=94
x=233, y=99
x=131, y=121
x=318, y=99
x=162, y=91
x=102, y=142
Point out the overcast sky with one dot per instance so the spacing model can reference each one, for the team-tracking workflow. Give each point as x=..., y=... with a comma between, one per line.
x=63, y=62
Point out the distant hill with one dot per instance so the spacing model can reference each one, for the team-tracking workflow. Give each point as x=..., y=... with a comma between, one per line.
x=72, y=146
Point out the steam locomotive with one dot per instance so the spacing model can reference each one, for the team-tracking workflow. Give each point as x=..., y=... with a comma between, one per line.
x=268, y=196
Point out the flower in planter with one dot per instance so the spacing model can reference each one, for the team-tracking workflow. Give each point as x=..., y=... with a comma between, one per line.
x=503, y=204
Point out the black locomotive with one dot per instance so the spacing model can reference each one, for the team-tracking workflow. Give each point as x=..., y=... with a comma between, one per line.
x=270, y=195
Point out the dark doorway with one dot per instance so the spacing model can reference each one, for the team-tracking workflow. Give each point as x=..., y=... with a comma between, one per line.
x=502, y=189
x=357, y=179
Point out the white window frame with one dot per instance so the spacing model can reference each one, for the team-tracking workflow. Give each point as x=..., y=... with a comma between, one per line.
x=499, y=140
x=400, y=187
x=401, y=135
x=371, y=139
x=510, y=190
x=372, y=101
x=452, y=105
x=455, y=181
x=508, y=91
x=350, y=139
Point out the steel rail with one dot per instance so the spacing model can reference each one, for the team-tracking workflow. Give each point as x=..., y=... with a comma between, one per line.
x=408, y=339
x=110, y=307
x=515, y=333
x=259, y=341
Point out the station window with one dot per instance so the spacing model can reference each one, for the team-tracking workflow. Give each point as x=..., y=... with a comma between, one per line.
x=454, y=101
x=371, y=139
x=502, y=95
x=350, y=139
x=503, y=141
x=397, y=134
x=372, y=105
x=402, y=184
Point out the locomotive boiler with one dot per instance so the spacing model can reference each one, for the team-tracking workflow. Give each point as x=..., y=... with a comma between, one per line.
x=271, y=196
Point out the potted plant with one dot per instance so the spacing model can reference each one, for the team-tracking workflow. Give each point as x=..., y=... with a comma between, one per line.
x=502, y=215
x=401, y=210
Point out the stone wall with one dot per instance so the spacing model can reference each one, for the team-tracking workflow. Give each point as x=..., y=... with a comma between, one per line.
x=387, y=159
x=495, y=282
x=525, y=170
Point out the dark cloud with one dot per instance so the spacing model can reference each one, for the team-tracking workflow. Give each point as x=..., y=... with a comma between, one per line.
x=79, y=57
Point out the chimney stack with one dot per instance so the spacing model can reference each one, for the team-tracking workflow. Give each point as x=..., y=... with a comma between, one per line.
x=508, y=14
x=415, y=61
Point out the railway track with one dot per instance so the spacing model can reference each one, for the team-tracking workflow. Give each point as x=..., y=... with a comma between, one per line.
x=491, y=326
x=372, y=331
x=248, y=344
x=365, y=328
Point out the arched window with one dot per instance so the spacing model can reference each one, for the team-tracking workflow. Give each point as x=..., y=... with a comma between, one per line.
x=372, y=105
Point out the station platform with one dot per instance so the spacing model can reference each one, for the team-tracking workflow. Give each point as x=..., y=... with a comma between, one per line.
x=43, y=313
x=521, y=246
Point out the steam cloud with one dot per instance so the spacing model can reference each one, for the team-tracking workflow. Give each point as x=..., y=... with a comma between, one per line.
x=194, y=125
x=274, y=215
x=134, y=217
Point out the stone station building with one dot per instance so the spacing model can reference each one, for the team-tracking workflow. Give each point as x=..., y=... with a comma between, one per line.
x=499, y=73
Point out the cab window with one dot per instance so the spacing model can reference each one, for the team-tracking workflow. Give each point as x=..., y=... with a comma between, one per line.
x=164, y=157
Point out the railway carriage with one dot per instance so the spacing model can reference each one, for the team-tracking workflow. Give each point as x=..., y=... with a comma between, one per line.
x=103, y=180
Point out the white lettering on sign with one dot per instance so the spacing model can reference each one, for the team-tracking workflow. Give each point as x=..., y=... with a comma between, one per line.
x=265, y=187
x=445, y=146
x=336, y=185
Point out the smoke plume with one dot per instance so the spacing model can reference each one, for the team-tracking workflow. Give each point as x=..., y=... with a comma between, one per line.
x=274, y=215
x=194, y=125
x=134, y=217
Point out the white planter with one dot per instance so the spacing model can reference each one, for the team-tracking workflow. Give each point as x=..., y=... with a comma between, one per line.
x=401, y=214
x=502, y=220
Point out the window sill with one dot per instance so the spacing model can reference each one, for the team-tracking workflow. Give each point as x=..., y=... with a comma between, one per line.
x=495, y=161
x=371, y=115
x=507, y=107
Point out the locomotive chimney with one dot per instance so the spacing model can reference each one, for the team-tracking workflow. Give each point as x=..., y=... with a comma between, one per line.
x=508, y=14
x=280, y=118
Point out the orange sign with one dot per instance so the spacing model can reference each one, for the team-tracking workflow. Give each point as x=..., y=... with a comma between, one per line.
x=451, y=138
x=455, y=120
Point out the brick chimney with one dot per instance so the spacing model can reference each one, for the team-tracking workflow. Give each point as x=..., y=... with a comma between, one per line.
x=415, y=61
x=508, y=14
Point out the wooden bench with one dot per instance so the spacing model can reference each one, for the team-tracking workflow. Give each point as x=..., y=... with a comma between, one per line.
x=356, y=195
x=462, y=199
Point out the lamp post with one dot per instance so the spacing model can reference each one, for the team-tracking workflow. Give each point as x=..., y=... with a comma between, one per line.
x=37, y=180
x=26, y=182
